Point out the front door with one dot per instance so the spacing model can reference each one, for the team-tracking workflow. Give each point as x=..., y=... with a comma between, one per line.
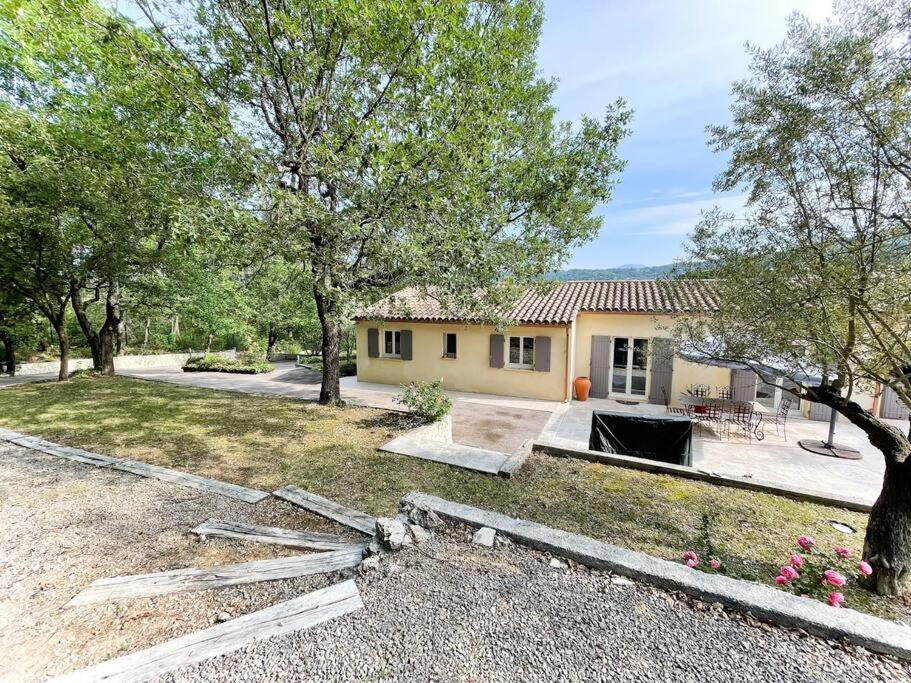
x=629, y=367
x=600, y=366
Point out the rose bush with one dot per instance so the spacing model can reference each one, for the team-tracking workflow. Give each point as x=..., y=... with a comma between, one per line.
x=821, y=575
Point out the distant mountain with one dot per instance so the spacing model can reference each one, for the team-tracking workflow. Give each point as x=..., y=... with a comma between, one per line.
x=631, y=265
x=628, y=272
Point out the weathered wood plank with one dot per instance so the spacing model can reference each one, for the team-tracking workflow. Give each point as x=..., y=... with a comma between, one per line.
x=286, y=617
x=276, y=535
x=195, y=481
x=197, y=579
x=327, y=508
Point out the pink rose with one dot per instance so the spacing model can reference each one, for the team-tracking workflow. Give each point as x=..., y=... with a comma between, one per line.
x=796, y=560
x=690, y=558
x=865, y=568
x=714, y=564
x=806, y=542
x=780, y=580
x=692, y=562
x=833, y=578
x=841, y=551
x=788, y=572
x=835, y=599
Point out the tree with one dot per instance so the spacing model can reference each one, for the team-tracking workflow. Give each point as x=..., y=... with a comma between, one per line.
x=134, y=151
x=402, y=141
x=17, y=325
x=815, y=281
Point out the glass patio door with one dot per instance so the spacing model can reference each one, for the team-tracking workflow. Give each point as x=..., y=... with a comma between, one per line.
x=629, y=366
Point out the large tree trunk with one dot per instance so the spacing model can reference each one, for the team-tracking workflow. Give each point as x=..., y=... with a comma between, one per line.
x=330, y=392
x=63, y=343
x=145, y=335
x=109, y=330
x=272, y=338
x=80, y=308
x=9, y=353
x=887, y=544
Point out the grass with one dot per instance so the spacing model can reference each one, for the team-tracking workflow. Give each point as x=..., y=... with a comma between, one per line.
x=267, y=442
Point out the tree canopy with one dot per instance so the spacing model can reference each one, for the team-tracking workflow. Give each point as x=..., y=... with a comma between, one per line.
x=401, y=142
x=815, y=279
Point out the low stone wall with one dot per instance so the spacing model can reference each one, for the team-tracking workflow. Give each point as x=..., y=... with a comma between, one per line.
x=439, y=431
x=157, y=360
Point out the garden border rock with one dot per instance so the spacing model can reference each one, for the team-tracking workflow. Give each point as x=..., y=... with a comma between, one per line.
x=630, y=462
x=761, y=601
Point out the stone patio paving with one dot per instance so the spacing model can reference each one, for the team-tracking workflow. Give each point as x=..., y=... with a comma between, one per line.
x=772, y=460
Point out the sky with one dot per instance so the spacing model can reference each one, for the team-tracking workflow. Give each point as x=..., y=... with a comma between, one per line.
x=673, y=61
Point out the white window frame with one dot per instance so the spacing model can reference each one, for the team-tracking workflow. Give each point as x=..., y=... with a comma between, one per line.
x=629, y=368
x=396, y=344
x=446, y=353
x=520, y=365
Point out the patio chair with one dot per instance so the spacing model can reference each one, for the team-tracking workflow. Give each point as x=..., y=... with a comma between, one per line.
x=781, y=416
x=740, y=416
x=711, y=415
x=723, y=393
x=699, y=390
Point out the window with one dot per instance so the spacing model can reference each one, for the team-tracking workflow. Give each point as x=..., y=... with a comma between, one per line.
x=392, y=343
x=629, y=367
x=522, y=352
x=449, y=345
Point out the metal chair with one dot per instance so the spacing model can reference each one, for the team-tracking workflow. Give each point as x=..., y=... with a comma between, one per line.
x=781, y=416
x=699, y=390
x=723, y=393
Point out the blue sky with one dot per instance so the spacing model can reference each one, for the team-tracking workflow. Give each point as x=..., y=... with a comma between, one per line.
x=673, y=61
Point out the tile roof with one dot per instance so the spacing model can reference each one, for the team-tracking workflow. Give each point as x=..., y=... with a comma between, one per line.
x=562, y=304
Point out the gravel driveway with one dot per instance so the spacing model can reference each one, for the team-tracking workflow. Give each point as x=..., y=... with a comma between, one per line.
x=64, y=524
x=442, y=611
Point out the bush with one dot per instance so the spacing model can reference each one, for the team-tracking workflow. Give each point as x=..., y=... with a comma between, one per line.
x=213, y=363
x=428, y=400
x=345, y=368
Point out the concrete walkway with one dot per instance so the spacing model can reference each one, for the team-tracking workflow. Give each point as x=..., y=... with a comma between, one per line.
x=7, y=381
x=773, y=460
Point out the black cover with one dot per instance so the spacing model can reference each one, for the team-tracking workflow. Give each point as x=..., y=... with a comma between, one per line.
x=665, y=438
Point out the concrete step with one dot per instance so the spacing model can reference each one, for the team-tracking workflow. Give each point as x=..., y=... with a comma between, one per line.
x=458, y=455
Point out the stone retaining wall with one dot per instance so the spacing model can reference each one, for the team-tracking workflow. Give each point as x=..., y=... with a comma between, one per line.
x=157, y=360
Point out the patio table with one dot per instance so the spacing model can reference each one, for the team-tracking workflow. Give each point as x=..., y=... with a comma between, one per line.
x=727, y=405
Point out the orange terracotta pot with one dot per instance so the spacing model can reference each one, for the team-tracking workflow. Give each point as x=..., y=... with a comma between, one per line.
x=583, y=385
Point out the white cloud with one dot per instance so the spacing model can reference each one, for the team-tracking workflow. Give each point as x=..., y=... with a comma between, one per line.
x=675, y=218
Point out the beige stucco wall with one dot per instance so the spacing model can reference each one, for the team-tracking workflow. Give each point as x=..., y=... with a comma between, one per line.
x=470, y=370
x=645, y=326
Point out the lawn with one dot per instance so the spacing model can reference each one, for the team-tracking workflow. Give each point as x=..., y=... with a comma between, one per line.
x=267, y=442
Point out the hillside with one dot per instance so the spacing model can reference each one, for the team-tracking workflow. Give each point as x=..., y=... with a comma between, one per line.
x=620, y=273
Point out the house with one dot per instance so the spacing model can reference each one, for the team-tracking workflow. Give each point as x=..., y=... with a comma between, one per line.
x=616, y=332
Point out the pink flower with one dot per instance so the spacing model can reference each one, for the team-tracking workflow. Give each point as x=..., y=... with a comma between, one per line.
x=692, y=562
x=841, y=551
x=805, y=596
x=796, y=560
x=835, y=599
x=780, y=580
x=833, y=578
x=714, y=564
x=865, y=568
x=806, y=542
x=788, y=572
x=691, y=558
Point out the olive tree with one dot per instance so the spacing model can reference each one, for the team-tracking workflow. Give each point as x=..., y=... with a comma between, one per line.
x=815, y=280
x=401, y=142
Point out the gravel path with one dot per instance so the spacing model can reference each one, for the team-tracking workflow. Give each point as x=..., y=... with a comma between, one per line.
x=442, y=611
x=66, y=524
x=448, y=611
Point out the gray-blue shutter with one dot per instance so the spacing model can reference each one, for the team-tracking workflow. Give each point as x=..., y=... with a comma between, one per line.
x=496, y=350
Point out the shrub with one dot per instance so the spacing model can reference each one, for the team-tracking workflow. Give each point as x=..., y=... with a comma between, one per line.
x=346, y=368
x=427, y=400
x=213, y=363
